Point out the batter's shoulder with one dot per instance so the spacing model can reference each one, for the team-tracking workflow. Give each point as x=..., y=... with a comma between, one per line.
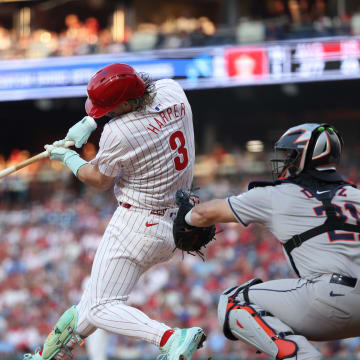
x=167, y=84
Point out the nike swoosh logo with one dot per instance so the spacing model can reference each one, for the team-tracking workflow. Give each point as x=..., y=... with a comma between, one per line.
x=321, y=192
x=150, y=224
x=333, y=294
x=239, y=325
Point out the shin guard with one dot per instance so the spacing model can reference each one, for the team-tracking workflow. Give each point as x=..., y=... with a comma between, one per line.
x=248, y=322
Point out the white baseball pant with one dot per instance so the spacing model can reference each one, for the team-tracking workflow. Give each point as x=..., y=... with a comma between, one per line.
x=96, y=345
x=133, y=241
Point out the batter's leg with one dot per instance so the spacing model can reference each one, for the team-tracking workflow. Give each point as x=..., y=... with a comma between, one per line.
x=114, y=315
x=246, y=321
x=122, y=257
x=124, y=254
x=84, y=327
x=96, y=345
x=117, y=317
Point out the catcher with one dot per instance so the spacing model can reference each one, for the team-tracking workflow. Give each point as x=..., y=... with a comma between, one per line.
x=314, y=214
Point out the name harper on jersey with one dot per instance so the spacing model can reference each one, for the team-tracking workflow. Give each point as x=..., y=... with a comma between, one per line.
x=172, y=112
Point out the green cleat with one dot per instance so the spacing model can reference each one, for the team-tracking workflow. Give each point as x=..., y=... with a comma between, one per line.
x=35, y=356
x=61, y=338
x=182, y=344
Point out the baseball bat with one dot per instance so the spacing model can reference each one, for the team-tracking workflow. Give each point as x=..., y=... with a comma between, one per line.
x=29, y=161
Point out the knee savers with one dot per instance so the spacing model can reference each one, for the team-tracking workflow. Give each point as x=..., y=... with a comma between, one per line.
x=229, y=299
x=251, y=324
x=60, y=336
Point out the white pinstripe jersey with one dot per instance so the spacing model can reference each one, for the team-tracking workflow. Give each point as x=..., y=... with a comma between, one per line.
x=288, y=209
x=151, y=152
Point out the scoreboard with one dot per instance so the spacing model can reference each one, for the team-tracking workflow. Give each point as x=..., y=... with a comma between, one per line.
x=294, y=61
x=319, y=58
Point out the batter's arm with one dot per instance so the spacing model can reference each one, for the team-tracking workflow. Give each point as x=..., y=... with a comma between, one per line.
x=89, y=174
x=211, y=212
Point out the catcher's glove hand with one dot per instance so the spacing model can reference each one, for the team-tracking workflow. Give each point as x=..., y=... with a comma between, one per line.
x=189, y=238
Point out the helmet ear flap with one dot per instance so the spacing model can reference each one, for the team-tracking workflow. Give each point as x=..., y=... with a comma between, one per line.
x=310, y=150
x=324, y=148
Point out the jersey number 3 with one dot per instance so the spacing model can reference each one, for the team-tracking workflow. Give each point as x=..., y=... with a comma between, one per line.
x=177, y=142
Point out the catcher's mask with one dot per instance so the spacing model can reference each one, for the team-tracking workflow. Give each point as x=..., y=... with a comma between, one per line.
x=307, y=146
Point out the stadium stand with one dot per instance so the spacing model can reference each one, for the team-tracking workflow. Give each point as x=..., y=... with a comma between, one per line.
x=80, y=37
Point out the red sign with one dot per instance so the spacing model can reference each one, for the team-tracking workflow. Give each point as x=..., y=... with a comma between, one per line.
x=246, y=62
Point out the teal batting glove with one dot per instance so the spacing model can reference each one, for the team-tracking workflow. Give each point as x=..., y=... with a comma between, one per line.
x=80, y=132
x=69, y=158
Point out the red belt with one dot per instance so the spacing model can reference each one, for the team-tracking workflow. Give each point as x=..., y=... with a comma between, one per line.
x=125, y=205
x=159, y=212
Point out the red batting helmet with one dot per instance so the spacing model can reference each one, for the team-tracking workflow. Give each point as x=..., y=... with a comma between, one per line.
x=111, y=86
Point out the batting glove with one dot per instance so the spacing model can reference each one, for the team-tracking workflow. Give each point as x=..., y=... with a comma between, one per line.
x=69, y=158
x=79, y=133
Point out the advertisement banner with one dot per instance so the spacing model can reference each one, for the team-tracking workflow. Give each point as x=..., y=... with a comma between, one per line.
x=68, y=77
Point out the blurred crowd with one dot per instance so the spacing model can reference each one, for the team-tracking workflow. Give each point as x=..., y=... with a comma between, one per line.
x=49, y=230
x=283, y=20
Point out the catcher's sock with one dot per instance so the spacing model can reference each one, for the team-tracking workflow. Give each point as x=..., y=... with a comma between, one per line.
x=165, y=337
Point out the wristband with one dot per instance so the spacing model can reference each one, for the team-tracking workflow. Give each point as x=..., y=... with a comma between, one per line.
x=188, y=218
x=73, y=161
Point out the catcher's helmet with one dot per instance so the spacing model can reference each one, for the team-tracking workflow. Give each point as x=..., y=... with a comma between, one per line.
x=111, y=86
x=307, y=146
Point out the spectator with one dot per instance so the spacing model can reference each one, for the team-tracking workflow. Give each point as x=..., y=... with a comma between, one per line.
x=250, y=31
x=355, y=23
x=144, y=38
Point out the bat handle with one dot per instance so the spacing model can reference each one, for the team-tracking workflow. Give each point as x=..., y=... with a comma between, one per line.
x=45, y=154
x=69, y=143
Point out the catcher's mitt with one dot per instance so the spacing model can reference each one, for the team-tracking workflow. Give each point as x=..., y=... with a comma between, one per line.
x=189, y=238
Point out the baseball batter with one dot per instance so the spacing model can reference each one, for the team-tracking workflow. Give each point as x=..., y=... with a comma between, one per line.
x=314, y=214
x=147, y=152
